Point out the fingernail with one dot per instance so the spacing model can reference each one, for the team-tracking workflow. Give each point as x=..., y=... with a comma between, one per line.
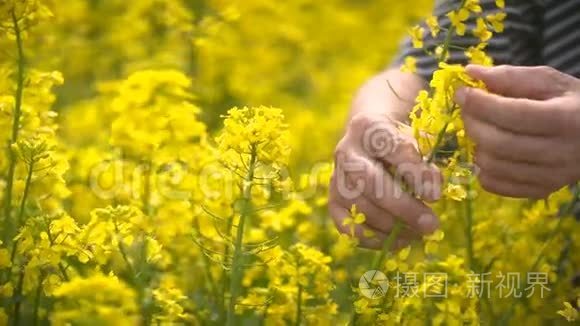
x=460, y=96
x=427, y=223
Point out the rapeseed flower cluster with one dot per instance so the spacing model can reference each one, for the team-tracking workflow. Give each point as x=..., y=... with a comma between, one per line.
x=147, y=180
x=436, y=119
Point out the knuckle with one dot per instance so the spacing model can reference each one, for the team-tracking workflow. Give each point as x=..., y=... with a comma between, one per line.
x=340, y=152
x=568, y=116
x=502, y=69
x=558, y=82
x=547, y=70
x=404, y=151
x=470, y=97
x=361, y=121
x=405, y=146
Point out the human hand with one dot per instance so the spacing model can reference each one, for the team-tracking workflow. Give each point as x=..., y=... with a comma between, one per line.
x=373, y=145
x=526, y=130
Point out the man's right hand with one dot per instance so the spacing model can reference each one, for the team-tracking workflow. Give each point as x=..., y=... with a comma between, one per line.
x=375, y=165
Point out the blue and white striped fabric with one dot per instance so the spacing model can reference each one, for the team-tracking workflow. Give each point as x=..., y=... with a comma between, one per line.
x=538, y=32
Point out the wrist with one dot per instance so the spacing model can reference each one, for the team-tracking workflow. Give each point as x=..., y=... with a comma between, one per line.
x=389, y=94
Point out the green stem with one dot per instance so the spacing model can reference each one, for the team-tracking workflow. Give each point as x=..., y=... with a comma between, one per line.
x=137, y=278
x=469, y=228
x=21, y=210
x=27, y=184
x=445, y=49
x=225, y=280
x=380, y=257
x=387, y=244
x=206, y=266
x=37, y=297
x=448, y=37
x=18, y=298
x=15, y=125
x=18, y=293
x=438, y=141
x=123, y=252
x=455, y=47
x=61, y=267
x=297, y=322
x=237, y=259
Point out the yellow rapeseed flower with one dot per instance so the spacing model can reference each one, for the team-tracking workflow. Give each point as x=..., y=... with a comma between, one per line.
x=410, y=65
x=417, y=33
x=481, y=31
x=433, y=24
x=497, y=21
x=458, y=19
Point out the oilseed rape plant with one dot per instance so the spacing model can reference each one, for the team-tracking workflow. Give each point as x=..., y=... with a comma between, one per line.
x=168, y=162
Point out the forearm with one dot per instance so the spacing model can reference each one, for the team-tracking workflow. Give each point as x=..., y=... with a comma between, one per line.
x=390, y=93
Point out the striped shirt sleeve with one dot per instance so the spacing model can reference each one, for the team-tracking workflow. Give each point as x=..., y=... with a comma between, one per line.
x=517, y=45
x=561, y=35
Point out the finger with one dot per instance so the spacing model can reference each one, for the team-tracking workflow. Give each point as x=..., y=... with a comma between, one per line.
x=339, y=211
x=386, y=193
x=507, y=145
x=537, y=175
x=539, y=83
x=509, y=188
x=517, y=115
x=376, y=217
x=424, y=179
x=339, y=214
x=383, y=141
x=375, y=241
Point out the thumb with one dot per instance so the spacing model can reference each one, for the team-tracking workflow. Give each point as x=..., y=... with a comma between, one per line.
x=536, y=83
